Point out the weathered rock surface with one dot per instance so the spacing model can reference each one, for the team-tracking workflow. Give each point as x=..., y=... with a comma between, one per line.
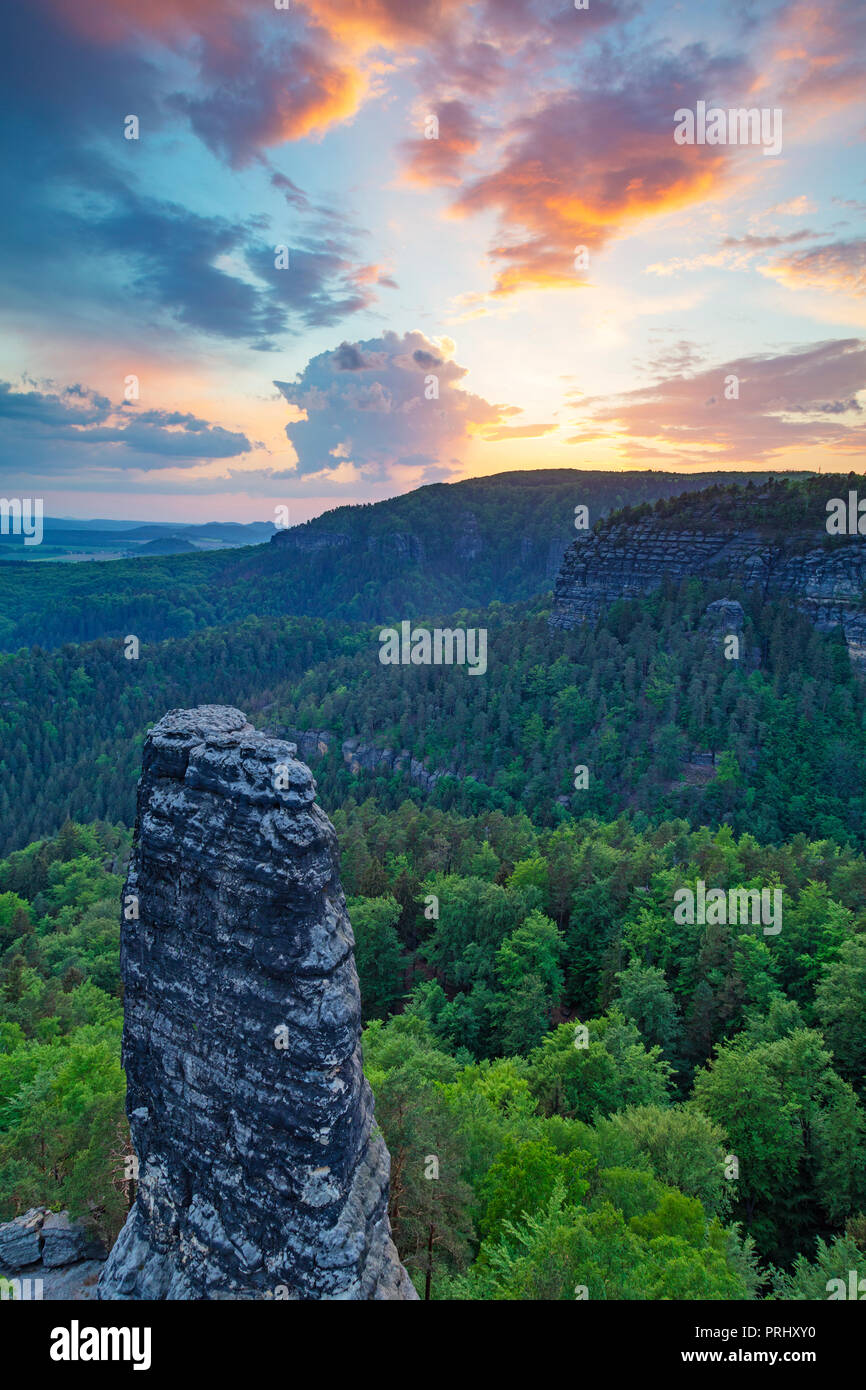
x=724, y=615
x=725, y=618
x=44, y=1256
x=250, y=1116
x=365, y=757
x=68, y=1283
x=825, y=579
x=63, y=1243
x=21, y=1239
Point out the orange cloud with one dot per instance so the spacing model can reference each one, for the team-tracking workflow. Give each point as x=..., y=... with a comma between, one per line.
x=577, y=172
x=356, y=25
x=501, y=432
x=364, y=24
x=257, y=108
x=265, y=75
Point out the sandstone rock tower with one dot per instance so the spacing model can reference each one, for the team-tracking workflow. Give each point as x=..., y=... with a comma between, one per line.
x=258, y=1176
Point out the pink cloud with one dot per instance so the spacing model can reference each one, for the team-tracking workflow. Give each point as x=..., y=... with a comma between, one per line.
x=439, y=158
x=839, y=267
x=800, y=399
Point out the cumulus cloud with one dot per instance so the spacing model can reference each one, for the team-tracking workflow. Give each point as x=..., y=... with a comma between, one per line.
x=373, y=406
x=71, y=406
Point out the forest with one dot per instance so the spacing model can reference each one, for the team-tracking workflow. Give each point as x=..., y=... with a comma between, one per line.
x=678, y=1114
x=641, y=698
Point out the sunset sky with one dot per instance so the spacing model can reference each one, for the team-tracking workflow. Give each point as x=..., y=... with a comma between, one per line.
x=409, y=256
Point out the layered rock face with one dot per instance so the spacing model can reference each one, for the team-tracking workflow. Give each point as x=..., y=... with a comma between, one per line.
x=360, y=756
x=258, y=1175
x=622, y=560
x=44, y=1256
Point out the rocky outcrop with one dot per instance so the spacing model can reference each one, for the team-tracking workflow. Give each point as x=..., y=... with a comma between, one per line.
x=44, y=1256
x=825, y=578
x=310, y=541
x=64, y=1243
x=21, y=1239
x=364, y=757
x=724, y=615
x=397, y=545
x=725, y=618
x=259, y=1175
x=469, y=543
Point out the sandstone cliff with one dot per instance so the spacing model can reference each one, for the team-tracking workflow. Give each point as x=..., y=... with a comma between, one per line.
x=258, y=1173
x=719, y=537
x=359, y=756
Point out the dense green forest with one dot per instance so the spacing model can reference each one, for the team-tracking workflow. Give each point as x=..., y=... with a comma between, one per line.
x=780, y=507
x=63, y=1131
x=705, y=1137
x=442, y=547
x=675, y=1111
x=643, y=700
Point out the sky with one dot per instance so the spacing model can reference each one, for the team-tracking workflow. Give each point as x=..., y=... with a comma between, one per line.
x=269, y=253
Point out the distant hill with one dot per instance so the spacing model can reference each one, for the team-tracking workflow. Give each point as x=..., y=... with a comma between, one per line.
x=68, y=539
x=226, y=532
x=168, y=545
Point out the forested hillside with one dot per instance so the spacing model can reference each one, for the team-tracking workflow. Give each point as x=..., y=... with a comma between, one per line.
x=780, y=506
x=442, y=547
x=644, y=700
